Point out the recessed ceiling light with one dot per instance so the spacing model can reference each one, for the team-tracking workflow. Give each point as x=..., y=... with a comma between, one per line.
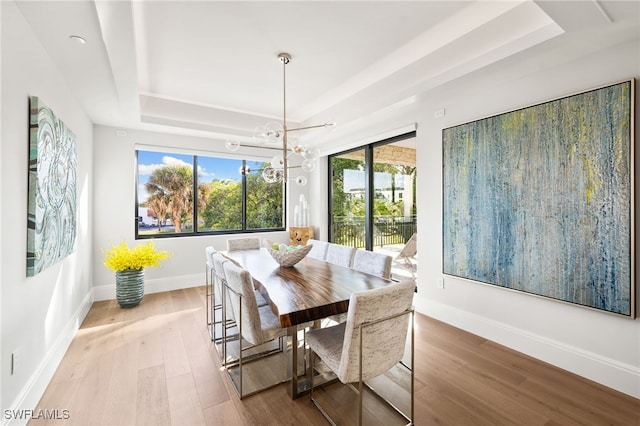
x=78, y=39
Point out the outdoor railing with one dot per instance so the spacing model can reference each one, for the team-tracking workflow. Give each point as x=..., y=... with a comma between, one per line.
x=387, y=230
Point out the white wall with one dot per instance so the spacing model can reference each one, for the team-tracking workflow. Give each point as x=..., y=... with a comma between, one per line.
x=114, y=190
x=596, y=345
x=39, y=314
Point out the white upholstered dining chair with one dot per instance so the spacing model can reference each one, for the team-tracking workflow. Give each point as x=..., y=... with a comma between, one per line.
x=256, y=326
x=339, y=254
x=370, y=343
x=212, y=291
x=227, y=321
x=319, y=249
x=373, y=263
x=218, y=262
x=243, y=243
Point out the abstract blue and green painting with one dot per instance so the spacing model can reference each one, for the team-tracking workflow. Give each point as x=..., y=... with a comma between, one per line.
x=540, y=199
x=51, y=221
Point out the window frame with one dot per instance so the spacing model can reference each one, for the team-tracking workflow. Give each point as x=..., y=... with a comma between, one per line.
x=196, y=232
x=368, y=150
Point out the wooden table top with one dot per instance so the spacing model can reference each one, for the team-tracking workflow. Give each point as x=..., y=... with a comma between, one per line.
x=311, y=290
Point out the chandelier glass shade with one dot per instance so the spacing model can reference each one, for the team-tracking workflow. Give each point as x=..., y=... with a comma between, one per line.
x=277, y=134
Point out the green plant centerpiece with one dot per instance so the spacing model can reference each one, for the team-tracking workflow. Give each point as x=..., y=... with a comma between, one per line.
x=128, y=264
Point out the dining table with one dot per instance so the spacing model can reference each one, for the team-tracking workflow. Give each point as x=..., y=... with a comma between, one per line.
x=309, y=291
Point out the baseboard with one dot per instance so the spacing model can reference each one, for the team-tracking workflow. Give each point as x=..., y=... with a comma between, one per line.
x=622, y=377
x=30, y=395
x=108, y=292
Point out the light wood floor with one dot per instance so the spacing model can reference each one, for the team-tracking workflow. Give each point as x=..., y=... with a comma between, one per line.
x=154, y=364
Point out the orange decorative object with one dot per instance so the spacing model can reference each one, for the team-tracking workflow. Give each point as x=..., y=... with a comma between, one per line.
x=299, y=235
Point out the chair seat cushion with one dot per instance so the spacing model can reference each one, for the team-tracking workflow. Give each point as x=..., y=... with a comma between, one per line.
x=260, y=300
x=270, y=324
x=327, y=344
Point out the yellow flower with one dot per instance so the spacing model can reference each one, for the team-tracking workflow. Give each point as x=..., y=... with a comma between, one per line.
x=121, y=257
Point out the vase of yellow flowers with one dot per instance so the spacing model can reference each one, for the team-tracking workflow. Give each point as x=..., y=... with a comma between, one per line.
x=129, y=287
x=129, y=264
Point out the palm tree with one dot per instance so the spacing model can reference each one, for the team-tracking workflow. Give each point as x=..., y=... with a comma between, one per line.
x=204, y=193
x=157, y=205
x=171, y=186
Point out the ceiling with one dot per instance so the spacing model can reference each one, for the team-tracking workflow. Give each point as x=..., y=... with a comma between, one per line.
x=210, y=67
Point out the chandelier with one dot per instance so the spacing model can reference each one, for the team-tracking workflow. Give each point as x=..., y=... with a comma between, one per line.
x=274, y=133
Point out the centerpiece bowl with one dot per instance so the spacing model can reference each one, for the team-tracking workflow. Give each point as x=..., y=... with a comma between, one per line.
x=287, y=256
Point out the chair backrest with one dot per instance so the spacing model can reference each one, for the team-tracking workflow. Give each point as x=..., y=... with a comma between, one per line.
x=208, y=252
x=410, y=248
x=340, y=255
x=243, y=243
x=243, y=302
x=383, y=343
x=372, y=263
x=218, y=261
x=319, y=249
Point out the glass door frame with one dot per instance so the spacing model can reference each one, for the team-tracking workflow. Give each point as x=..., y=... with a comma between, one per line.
x=368, y=188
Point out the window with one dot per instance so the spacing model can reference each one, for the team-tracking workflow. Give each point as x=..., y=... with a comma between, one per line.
x=224, y=196
x=372, y=194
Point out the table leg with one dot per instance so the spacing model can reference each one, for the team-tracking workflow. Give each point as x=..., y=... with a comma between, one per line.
x=298, y=385
x=292, y=362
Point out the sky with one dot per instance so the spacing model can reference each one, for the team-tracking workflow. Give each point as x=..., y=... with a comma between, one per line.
x=209, y=168
x=355, y=180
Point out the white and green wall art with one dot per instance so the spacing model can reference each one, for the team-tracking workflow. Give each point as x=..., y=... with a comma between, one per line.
x=541, y=199
x=51, y=221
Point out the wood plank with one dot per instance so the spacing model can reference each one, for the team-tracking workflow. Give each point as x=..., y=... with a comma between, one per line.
x=184, y=404
x=225, y=413
x=174, y=354
x=120, y=399
x=210, y=383
x=152, y=405
x=150, y=350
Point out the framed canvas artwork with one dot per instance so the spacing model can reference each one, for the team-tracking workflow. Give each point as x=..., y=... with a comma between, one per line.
x=51, y=221
x=541, y=199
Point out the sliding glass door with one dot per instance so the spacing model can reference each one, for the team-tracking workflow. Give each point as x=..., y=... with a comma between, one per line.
x=394, y=205
x=373, y=194
x=348, y=201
